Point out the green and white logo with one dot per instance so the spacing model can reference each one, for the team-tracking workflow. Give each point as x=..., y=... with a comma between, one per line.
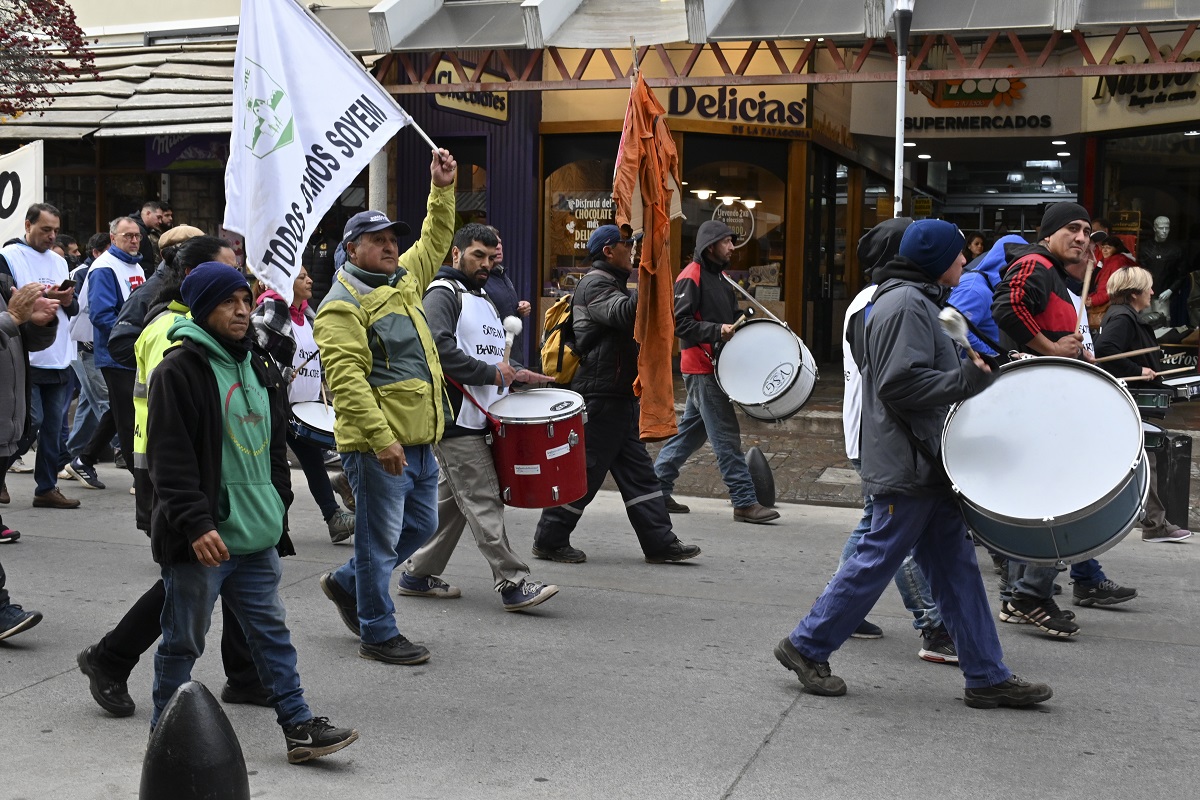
x=267, y=122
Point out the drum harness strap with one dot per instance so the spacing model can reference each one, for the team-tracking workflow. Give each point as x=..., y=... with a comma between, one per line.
x=492, y=421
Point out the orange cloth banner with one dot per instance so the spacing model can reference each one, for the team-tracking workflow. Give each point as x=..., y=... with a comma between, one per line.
x=647, y=197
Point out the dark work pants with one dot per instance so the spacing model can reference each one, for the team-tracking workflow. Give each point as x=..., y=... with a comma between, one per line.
x=119, y=417
x=312, y=461
x=611, y=438
x=118, y=652
x=3, y=591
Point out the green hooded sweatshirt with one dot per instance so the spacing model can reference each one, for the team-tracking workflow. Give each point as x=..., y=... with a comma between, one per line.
x=249, y=510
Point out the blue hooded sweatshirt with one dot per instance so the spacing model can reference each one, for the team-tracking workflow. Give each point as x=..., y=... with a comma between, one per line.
x=973, y=295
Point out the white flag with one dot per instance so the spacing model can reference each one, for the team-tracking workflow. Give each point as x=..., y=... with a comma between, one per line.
x=307, y=119
x=21, y=185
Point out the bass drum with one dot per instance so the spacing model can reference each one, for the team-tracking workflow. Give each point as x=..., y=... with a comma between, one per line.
x=1048, y=463
x=766, y=370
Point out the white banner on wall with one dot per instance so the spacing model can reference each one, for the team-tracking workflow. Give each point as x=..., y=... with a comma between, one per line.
x=22, y=183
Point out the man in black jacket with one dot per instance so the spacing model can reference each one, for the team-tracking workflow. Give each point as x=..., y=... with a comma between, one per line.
x=603, y=311
x=218, y=462
x=705, y=311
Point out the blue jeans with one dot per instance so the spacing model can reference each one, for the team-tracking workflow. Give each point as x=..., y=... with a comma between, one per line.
x=49, y=405
x=249, y=585
x=932, y=529
x=93, y=402
x=393, y=516
x=708, y=416
x=914, y=589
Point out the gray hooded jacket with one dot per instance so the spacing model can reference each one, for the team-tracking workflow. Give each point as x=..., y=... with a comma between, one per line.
x=16, y=342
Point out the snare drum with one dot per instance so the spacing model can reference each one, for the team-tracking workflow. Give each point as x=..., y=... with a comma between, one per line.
x=1152, y=401
x=312, y=422
x=1032, y=485
x=1153, y=436
x=537, y=447
x=766, y=370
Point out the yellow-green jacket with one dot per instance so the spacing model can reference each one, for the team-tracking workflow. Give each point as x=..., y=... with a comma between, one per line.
x=152, y=345
x=379, y=356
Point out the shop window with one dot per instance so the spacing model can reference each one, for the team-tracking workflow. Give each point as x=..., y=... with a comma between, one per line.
x=578, y=200
x=75, y=197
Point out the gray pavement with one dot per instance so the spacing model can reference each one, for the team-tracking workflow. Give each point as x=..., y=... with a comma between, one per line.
x=636, y=681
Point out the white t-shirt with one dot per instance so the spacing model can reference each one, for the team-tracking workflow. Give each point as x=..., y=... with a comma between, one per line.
x=852, y=399
x=49, y=269
x=1084, y=329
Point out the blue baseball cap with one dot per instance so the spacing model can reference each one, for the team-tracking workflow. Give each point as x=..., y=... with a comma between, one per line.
x=606, y=236
x=370, y=221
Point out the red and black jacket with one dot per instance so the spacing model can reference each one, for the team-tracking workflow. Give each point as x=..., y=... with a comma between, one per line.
x=1032, y=297
x=703, y=303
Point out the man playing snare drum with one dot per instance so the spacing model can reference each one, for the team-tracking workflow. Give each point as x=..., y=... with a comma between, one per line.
x=705, y=310
x=911, y=374
x=470, y=342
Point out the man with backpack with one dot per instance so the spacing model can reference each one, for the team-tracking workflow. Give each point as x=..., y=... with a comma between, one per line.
x=603, y=311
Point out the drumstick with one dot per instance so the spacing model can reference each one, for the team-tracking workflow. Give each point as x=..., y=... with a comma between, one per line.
x=1159, y=374
x=296, y=371
x=1128, y=354
x=512, y=329
x=1087, y=279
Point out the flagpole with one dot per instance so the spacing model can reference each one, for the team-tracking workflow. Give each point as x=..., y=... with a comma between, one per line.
x=412, y=123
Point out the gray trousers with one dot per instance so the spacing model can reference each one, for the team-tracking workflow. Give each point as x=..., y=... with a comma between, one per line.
x=468, y=494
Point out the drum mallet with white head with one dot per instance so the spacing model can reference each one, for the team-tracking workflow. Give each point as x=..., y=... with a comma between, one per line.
x=956, y=326
x=512, y=329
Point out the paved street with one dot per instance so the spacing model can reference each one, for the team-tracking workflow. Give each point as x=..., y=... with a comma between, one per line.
x=636, y=681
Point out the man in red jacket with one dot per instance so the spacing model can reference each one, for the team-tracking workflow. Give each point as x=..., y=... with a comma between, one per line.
x=705, y=310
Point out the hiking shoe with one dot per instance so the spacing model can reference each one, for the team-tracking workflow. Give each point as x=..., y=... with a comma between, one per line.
x=757, y=513
x=867, y=630
x=347, y=604
x=5, y=497
x=429, y=586
x=676, y=551
x=14, y=620
x=340, y=525
x=109, y=693
x=8, y=535
x=315, y=738
x=84, y=474
x=20, y=467
x=937, y=646
x=564, y=555
x=54, y=499
x=673, y=507
x=396, y=650
x=815, y=675
x=341, y=485
x=1013, y=692
x=1173, y=536
x=1045, y=614
x=258, y=695
x=526, y=594
x=1105, y=593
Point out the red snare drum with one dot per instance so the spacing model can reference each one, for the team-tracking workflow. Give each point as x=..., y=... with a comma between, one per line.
x=538, y=448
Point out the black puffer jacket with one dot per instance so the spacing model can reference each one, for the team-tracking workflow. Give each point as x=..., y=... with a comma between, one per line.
x=1121, y=331
x=604, y=310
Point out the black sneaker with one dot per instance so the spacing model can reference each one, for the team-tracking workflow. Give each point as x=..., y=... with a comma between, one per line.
x=246, y=695
x=1045, y=614
x=564, y=555
x=815, y=675
x=1105, y=593
x=1013, y=692
x=347, y=605
x=937, y=646
x=14, y=620
x=109, y=693
x=84, y=474
x=867, y=630
x=315, y=738
x=676, y=551
x=396, y=650
x=675, y=508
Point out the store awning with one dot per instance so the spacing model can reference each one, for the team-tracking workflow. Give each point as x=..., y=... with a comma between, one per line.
x=140, y=91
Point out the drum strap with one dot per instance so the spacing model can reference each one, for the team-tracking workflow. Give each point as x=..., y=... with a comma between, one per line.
x=492, y=421
x=983, y=337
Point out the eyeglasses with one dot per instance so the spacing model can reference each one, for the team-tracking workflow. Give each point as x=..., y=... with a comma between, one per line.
x=129, y=237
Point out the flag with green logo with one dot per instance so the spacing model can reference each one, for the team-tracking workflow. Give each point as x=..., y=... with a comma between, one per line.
x=307, y=119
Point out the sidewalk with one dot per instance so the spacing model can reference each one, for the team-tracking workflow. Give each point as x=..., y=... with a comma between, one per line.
x=636, y=681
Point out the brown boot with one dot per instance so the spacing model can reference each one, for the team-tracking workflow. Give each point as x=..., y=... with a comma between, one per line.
x=756, y=513
x=54, y=499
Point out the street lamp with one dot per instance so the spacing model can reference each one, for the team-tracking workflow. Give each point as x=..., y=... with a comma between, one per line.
x=902, y=16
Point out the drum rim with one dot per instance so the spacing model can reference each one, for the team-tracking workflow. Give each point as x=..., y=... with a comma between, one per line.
x=1034, y=522
x=807, y=364
x=557, y=417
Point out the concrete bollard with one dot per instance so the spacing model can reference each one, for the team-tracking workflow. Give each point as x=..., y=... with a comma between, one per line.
x=193, y=753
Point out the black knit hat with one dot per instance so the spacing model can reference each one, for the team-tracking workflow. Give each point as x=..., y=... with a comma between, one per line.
x=1059, y=215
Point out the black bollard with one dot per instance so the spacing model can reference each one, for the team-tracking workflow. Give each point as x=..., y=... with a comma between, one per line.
x=762, y=477
x=193, y=753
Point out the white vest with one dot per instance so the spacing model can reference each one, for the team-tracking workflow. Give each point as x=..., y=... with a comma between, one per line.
x=129, y=277
x=306, y=386
x=481, y=336
x=1084, y=328
x=49, y=269
x=852, y=396
x=81, y=323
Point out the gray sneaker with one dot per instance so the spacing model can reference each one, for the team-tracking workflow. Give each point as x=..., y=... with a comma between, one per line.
x=340, y=525
x=815, y=675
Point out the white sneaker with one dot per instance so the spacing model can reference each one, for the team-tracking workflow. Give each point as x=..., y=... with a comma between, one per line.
x=19, y=467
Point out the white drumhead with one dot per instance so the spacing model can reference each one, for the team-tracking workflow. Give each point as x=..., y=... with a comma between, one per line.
x=537, y=405
x=1050, y=438
x=315, y=415
x=759, y=363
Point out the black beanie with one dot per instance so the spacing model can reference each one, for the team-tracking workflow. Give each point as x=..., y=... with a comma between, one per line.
x=1059, y=215
x=208, y=285
x=933, y=245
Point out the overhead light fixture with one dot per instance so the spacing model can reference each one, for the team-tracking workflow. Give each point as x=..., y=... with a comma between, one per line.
x=1063, y=155
x=1043, y=164
x=910, y=144
x=728, y=199
x=703, y=194
x=1058, y=142
x=991, y=191
x=1016, y=177
x=1047, y=180
x=1191, y=133
x=924, y=156
x=820, y=38
x=750, y=203
x=685, y=183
